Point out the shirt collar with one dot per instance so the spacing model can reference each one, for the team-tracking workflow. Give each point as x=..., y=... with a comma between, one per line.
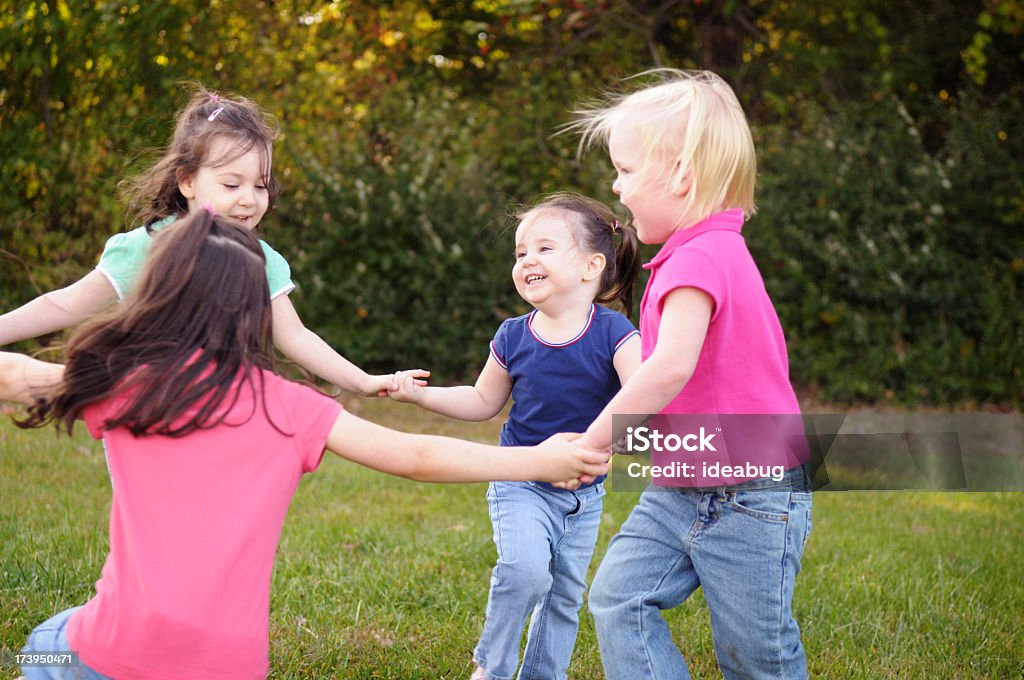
x=728, y=220
x=161, y=223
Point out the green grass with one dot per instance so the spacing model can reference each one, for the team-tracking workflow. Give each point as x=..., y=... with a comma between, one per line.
x=378, y=577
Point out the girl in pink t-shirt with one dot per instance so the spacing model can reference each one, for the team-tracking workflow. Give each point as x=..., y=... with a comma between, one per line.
x=712, y=348
x=206, y=446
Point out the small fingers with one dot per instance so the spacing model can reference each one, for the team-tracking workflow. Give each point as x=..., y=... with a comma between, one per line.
x=405, y=387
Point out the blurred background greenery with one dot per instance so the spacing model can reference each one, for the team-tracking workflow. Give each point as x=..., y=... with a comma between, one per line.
x=889, y=134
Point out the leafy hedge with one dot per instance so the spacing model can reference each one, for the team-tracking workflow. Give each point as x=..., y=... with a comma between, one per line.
x=398, y=241
x=897, y=271
x=891, y=196
x=894, y=269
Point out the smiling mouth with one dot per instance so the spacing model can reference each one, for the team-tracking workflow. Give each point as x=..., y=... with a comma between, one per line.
x=534, y=278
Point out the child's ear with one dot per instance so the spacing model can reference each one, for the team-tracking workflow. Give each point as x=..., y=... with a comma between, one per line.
x=684, y=181
x=185, y=184
x=595, y=267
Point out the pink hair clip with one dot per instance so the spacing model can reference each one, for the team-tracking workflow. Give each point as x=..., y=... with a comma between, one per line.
x=216, y=112
x=614, y=226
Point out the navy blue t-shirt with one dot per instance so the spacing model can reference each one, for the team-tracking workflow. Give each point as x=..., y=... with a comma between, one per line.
x=558, y=387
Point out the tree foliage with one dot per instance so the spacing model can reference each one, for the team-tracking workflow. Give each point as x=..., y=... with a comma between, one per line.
x=892, y=206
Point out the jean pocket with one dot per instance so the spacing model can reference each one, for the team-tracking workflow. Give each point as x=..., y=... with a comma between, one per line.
x=771, y=506
x=801, y=502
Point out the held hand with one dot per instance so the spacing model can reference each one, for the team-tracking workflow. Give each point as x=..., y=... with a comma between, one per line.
x=384, y=385
x=573, y=484
x=23, y=378
x=407, y=386
x=377, y=385
x=566, y=462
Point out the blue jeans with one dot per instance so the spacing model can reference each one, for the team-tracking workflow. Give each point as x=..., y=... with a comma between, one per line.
x=49, y=637
x=545, y=539
x=741, y=544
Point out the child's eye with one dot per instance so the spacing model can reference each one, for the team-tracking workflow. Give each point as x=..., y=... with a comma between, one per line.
x=261, y=187
x=230, y=186
x=520, y=255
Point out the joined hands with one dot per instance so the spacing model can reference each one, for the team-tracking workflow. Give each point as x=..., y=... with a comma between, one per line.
x=573, y=484
x=401, y=382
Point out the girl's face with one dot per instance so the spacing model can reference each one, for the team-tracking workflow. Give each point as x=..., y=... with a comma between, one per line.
x=647, y=192
x=550, y=268
x=235, y=188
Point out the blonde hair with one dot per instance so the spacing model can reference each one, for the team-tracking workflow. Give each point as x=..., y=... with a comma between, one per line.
x=690, y=123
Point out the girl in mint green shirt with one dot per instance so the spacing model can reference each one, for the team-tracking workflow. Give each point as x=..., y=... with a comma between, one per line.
x=220, y=158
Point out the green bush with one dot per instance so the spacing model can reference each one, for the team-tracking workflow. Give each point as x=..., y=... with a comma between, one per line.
x=894, y=268
x=397, y=239
x=889, y=233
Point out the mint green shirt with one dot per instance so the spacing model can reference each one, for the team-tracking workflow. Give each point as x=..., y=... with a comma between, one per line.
x=125, y=253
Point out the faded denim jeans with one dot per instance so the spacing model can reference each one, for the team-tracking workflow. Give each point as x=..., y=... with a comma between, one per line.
x=545, y=538
x=741, y=544
x=48, y=638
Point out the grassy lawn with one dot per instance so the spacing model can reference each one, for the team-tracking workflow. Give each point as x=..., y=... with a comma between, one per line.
x=382, y=578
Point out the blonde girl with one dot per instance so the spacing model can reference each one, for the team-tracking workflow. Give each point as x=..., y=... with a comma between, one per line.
x=712, y=344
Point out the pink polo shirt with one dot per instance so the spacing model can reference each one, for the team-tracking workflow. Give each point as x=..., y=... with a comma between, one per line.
x=743, y=366
x=194, y=526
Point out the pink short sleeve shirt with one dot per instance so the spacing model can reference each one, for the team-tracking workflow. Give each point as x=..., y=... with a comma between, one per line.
x=194, y=527
x=743, y=366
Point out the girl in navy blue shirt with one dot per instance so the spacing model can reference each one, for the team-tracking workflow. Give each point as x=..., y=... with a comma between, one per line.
x=561, y=364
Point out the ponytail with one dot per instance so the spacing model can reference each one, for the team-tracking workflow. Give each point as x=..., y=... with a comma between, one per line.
x=618, y=283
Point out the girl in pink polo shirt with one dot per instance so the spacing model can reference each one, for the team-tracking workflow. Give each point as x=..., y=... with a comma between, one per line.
x=712, y=345
x=206, y=446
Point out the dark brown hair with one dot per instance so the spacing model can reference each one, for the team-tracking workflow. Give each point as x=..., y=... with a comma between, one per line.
x=153, y=194
x=184, y=344
x=598, y=230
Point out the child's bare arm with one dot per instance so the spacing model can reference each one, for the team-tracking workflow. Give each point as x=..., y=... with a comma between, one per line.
x=429, y=458
x=686, y=314
x=21, y=376
x=480, y=401
x=308, y=350
x=626, y=362
x=627, y=359
x=57, y=310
